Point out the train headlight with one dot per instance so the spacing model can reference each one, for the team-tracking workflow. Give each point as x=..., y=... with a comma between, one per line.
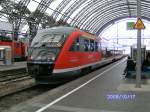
x=39, y=57
x=53, y=58
x=31, y=58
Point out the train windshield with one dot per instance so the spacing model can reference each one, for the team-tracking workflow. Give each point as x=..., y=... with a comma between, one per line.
x=43, y=53
x=46, y=47
x=49, y=40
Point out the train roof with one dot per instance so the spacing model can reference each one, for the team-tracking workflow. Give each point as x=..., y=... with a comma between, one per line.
x=52, y=30
x=60, y=29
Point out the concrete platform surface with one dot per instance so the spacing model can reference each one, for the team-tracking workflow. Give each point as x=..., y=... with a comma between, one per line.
x=16, y=65
x=96, y=92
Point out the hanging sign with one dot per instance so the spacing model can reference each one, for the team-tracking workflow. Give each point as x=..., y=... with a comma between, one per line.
x=139, y=24
x=130, y=25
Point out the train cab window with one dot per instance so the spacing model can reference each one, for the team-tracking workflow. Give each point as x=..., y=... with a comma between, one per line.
x=75, y=46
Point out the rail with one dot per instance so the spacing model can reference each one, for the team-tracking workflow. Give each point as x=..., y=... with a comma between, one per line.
x=13, y=75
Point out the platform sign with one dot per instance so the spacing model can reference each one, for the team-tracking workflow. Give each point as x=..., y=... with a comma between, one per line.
x=130, y=25
x=139, y=24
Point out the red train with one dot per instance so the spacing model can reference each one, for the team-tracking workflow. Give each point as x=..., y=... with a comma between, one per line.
x=19, y=48
x=57, y=54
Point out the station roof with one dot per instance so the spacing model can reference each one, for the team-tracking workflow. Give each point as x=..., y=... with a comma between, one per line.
x=91, y=15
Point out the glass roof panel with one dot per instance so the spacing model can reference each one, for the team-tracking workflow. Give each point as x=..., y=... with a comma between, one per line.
x=32, y=5
x=16, y=1
x=53, y=6
x=77, y=11
x=49, y=11
x=1, y=8
x=69, y=4
x=38, y=1
x=3, y=18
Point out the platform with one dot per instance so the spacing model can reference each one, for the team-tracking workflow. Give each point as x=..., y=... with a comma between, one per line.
x=104, y=90
x=15, y=66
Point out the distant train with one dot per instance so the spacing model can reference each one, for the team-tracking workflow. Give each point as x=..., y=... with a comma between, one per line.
x=60, y=53
x=19, y=48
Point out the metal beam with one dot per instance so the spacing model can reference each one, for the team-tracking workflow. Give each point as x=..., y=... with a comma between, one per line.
x=73, y=8
x=60, y=8
x=128, y=4
x=86, y=9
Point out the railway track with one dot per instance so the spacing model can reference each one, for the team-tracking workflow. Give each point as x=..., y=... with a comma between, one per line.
x=8, y=101
x=12, y=81
x=13, y=75
x=21, y=96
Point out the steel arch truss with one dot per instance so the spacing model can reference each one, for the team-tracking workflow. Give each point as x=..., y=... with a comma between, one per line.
x=91, y=15
x=101, y=12
x=60, y=8
x=72, y=9
x=103, y=15
x=97, y=13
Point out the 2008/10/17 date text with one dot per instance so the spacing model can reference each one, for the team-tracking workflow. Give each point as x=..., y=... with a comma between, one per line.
x=120, y=96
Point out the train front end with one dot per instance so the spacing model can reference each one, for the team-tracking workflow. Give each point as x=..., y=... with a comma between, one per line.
x=43, y=53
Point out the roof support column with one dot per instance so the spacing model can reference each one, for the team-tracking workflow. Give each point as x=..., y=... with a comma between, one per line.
x=138, y=61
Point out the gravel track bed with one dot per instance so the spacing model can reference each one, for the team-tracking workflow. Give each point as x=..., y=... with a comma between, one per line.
x=16, y=98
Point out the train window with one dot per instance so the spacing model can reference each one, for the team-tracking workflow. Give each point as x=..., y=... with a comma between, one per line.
x=86, y=43
x=82, y=45
x=91, y=45
x=96, y=46
x=72, y=47
x=109, y=53
x=75, y=46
